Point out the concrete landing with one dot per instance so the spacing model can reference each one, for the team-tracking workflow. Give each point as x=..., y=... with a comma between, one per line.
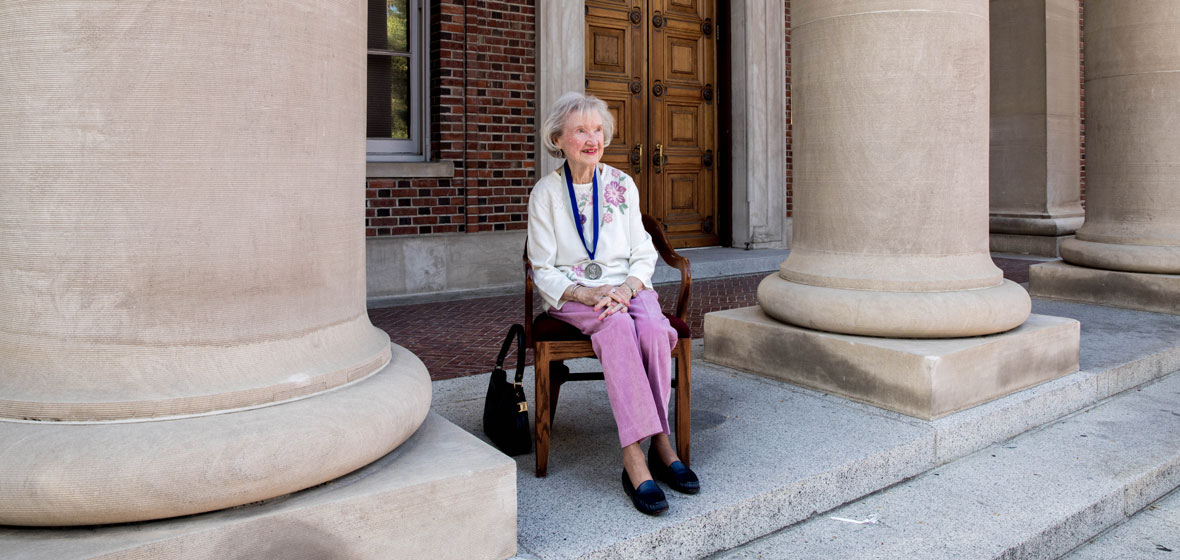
x=1036, y=496
x=441, y=494
x=771, y=454
x=717, y=262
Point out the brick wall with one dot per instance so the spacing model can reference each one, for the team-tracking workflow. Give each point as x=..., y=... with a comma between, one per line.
x=482, y=88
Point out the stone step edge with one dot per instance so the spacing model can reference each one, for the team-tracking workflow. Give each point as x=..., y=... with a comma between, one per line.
x=1118, y=533
x=954, y=437
x=965, y=433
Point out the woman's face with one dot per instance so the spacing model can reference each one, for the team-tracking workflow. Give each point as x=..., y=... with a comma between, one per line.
x=582, y=139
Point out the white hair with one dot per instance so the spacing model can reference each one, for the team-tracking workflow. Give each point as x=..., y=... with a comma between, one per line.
x=568, y=104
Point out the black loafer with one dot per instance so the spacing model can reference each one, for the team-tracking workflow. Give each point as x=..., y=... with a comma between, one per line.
x=677, y=475
x=648, y=498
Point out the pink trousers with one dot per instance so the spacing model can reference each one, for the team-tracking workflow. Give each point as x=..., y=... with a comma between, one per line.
x=635, y=349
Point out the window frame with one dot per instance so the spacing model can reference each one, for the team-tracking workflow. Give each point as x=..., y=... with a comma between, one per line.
x=417, y=147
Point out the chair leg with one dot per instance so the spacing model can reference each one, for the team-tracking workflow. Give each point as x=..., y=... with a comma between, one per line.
x=683, y=399
x=541, y=396
x=558, y=373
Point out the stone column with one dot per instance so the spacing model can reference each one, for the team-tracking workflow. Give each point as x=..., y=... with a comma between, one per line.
x=182, y=286
x=1127, y=253
x=1035, y=121
x=759, y=174
x=561, y=63
x=891, y=157
x=891, y=221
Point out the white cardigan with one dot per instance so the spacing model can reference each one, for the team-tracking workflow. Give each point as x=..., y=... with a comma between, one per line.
x=556, y=252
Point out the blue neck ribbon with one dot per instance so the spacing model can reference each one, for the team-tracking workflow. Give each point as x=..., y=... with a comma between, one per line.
x=569, y=184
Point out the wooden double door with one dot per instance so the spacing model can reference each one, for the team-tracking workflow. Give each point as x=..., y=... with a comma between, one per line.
x=654, y=64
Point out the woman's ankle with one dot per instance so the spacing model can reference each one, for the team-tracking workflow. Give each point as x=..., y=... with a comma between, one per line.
x=662, y=445
x=635, y=465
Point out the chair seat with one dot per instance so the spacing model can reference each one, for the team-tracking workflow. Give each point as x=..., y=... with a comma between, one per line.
x=546, y=328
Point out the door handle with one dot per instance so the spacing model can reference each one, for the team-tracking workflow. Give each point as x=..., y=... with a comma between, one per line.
x=657, y=159
x=637, y=159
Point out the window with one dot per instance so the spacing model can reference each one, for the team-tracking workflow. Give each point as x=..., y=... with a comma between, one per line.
x=398, y=110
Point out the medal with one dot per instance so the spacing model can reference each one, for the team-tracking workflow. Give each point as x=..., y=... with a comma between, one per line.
x=593, y=270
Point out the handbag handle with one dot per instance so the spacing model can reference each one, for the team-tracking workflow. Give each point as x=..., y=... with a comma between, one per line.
x=517, y=332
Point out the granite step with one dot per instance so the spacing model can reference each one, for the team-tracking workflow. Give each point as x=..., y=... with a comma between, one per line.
x=1039, y=495
x=1155, y=529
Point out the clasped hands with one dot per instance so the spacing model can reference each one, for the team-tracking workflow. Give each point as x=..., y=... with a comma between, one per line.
x=607, y=298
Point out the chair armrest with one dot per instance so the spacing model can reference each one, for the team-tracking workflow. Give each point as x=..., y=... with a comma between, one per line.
x=664, y=247
x=528, y=296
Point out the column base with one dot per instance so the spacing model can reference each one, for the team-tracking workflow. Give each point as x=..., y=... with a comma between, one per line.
x=1130, y=290
x=1152, y=259
x=1065, y=224
x=923, y=378
x=56, y=474
x=1039, y=245
x=441, y=494
x=931, y=314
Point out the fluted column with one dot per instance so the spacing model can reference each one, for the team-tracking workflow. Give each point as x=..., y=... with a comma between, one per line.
x=1035, y=121
x=891, y=167
x=182, y=291
x=758, y=155
x=561, y=63
x=1133, y=139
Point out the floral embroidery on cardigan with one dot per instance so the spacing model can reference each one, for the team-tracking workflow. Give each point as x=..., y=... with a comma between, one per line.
x=576, y=273
x=614, y=194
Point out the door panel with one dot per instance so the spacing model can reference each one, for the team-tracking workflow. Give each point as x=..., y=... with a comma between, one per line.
x=683, y=120
x=653, y=62
x=616, y=69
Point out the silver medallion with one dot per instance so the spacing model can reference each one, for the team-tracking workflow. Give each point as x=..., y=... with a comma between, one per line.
x=593, y=271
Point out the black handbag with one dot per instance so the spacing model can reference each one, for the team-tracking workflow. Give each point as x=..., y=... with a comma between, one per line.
x=505, y=411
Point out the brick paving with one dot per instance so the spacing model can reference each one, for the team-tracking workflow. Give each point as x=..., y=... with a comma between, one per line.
x=460, y=338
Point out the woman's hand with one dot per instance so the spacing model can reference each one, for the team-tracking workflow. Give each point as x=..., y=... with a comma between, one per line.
x=607, y=298
x=614, y=300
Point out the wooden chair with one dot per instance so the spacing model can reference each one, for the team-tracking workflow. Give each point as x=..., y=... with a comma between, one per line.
x=554, y=341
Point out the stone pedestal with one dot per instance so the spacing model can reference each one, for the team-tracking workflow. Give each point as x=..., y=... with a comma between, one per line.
x=442, y=494
x=1035, y=119
x=1130, y=290
x=1133, y=154
x=1026, y=244
x=923, y=378
x=182, y=279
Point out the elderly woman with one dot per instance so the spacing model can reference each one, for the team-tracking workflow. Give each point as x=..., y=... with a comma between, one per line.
x=592, y=262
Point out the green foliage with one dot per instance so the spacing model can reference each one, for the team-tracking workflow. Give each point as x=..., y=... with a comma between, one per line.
x=397, y=19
